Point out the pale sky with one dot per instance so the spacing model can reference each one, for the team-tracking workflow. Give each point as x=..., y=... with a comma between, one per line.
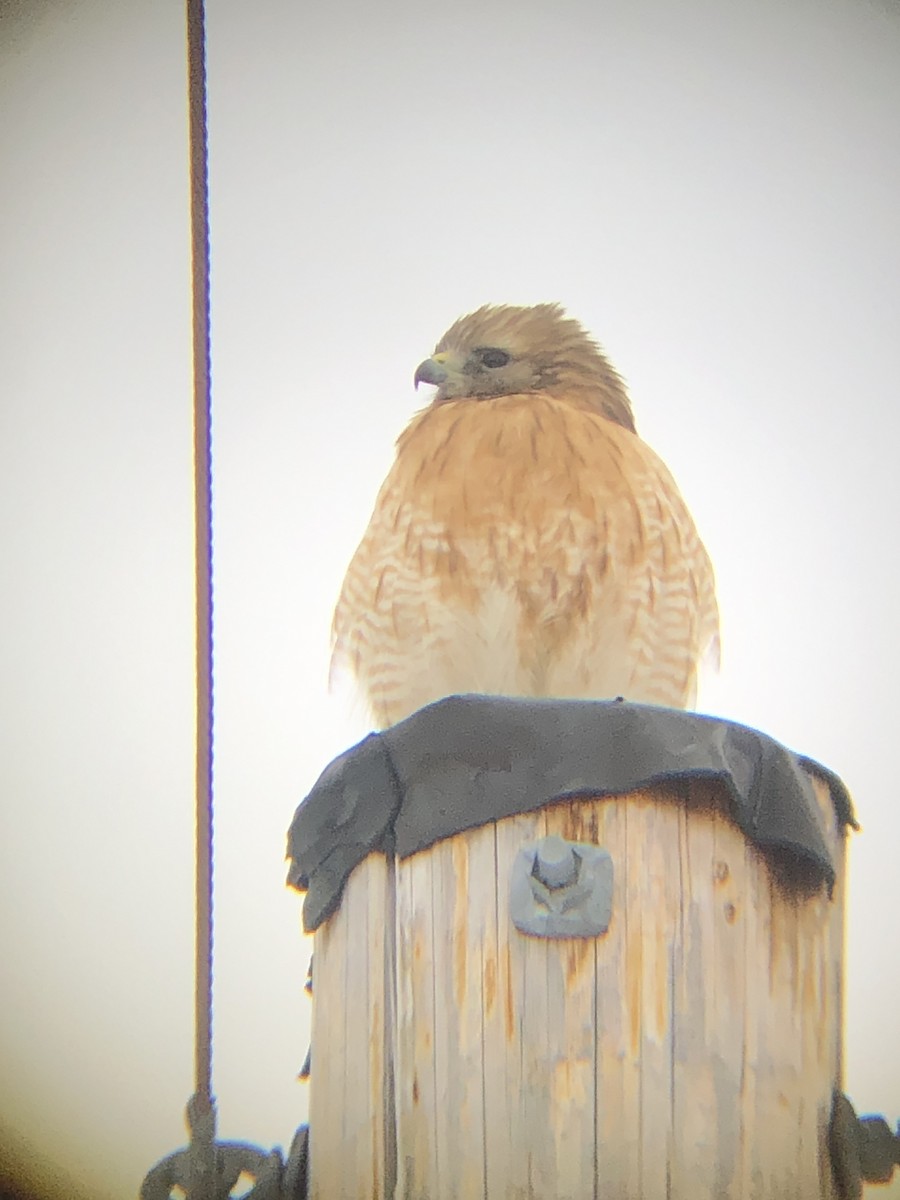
x=710, y=187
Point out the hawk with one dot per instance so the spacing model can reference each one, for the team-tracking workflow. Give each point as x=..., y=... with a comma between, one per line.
x=526, y=542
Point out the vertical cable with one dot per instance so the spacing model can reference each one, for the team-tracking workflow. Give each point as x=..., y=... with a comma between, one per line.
x=201, y=1112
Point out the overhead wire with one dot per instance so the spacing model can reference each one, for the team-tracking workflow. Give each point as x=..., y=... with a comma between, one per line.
x=202, y=1106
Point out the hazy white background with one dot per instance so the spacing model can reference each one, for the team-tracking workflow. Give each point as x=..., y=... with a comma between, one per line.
x=713, y=188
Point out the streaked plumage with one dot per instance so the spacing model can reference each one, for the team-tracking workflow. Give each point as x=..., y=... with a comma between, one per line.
x=526, y=541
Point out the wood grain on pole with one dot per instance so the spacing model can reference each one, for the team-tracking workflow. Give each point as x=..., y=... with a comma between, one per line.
x=689, y=1053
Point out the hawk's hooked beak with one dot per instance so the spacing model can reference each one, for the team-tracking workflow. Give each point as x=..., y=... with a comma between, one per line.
x=432, y=370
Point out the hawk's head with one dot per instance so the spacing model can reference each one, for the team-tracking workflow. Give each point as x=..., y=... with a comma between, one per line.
x=501, y=350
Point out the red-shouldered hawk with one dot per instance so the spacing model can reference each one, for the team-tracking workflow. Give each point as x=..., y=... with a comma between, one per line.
x=526, y=542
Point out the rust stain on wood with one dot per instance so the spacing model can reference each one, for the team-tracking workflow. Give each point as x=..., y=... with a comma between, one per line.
x=811, y=999
x=460, y=852
x=578, y=953
x=510, y=1013
x=633, y=985
x=567, y=1082
x=579, y=821
x=460, y=960
x=730, y=913
x=490, y=984
x=661, y=986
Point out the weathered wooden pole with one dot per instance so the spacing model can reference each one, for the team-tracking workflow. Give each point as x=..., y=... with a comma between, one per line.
x=691, y=1050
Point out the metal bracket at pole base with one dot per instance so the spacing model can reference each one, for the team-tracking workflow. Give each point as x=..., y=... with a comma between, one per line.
x=863, y=1149
x=561, y=889
x=295, y=1184
x=230, y=1160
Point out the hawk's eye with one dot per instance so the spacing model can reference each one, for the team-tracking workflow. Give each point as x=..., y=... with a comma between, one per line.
x=493, y=358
